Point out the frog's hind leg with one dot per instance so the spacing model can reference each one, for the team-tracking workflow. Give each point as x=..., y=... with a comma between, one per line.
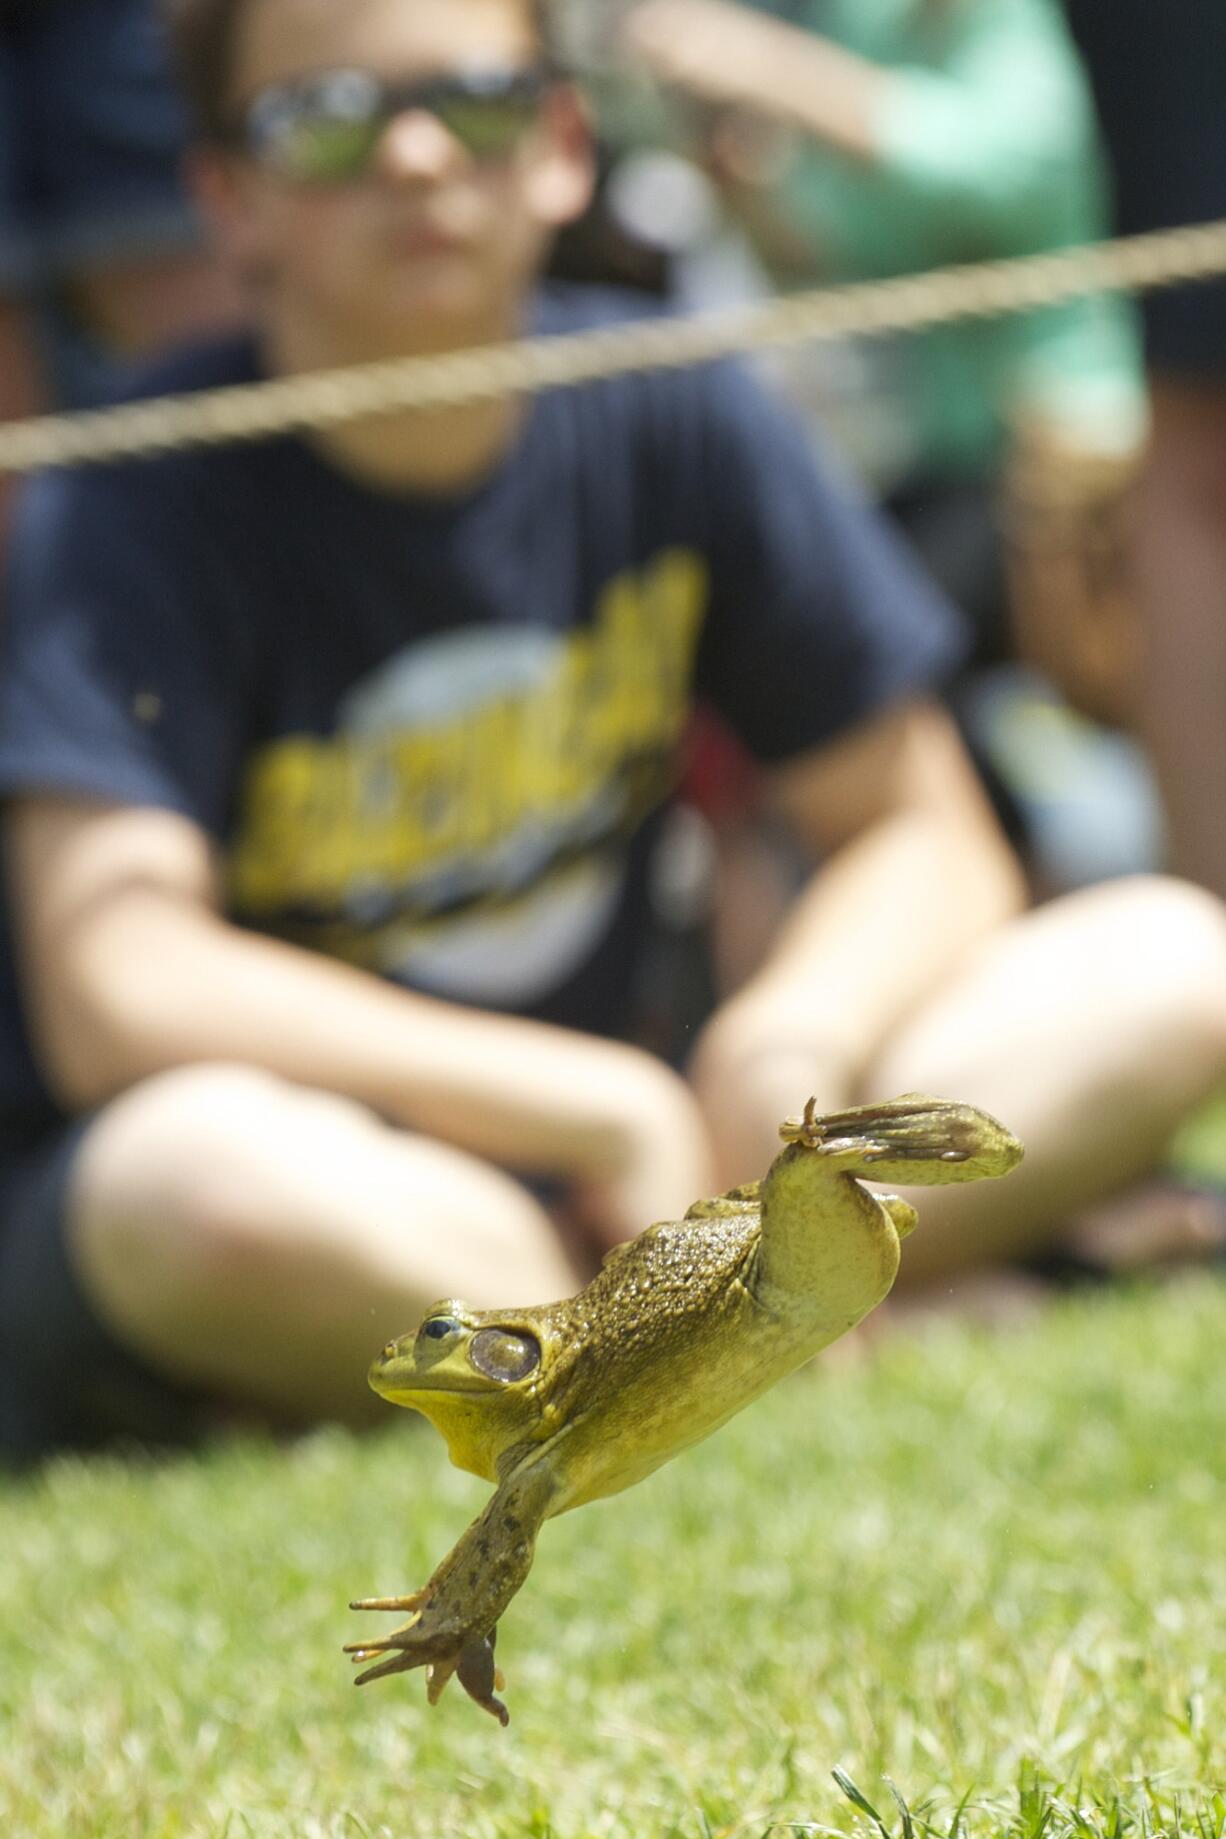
x=915, y=1140
x=450, y=1631
x=901, y=1212
x=829, y=1247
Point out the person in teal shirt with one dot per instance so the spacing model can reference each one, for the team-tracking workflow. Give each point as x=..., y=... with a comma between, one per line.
x=920, y=133
x=865, y=138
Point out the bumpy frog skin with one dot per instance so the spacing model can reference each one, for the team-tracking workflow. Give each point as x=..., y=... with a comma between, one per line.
x=571, y=1401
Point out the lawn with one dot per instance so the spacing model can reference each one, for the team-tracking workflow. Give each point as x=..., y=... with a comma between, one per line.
x=988, y=1566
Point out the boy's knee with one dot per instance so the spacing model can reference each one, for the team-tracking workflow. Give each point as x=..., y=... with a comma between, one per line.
x=1177, y=931
x=197, y=1121
x=1166, y=1007
x=186, y=1106
x=503, y=1248
x=211, y=1186
x=166, y=1195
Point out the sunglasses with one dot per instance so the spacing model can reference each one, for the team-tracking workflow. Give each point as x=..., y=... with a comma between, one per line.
x=325, y=129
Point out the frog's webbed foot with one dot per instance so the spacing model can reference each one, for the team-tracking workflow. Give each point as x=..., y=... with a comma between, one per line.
x=807, y=1129
x=452, y=1619
x=470, y=1659
x=909, y=1139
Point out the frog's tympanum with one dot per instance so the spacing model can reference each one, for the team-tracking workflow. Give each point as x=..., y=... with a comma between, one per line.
x=565, y=1403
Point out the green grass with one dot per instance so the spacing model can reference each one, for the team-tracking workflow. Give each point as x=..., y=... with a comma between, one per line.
x=1198, y=1152
x=987, y=1568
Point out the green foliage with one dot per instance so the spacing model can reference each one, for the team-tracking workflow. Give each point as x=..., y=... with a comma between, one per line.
x=963, y=1584
x=1198, y=1152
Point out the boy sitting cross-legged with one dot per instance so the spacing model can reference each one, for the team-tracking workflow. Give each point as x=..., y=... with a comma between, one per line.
x=334, y=766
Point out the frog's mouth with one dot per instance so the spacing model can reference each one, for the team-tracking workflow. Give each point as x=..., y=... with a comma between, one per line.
x=423, y=1385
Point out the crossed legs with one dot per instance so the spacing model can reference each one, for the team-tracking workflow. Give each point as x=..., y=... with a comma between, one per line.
x=1091, y=1027
x=263, y=1240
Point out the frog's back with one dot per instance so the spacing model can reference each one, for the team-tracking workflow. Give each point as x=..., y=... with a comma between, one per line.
x=658, y=1288
x=658, y=1346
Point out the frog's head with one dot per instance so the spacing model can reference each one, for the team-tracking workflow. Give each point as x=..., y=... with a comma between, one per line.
x=477, y=1377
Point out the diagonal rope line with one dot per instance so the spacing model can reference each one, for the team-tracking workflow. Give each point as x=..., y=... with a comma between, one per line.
x=909, y=303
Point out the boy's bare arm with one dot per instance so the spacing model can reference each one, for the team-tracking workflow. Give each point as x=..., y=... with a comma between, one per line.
x=915, y=871
x=131, y=969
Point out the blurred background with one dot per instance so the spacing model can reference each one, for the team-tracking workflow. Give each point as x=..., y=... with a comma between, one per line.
x=1008, y=451
x=1062, y=472
x=981, y=1559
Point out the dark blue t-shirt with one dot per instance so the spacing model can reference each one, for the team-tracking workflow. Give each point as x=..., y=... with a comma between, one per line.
x=431, y=736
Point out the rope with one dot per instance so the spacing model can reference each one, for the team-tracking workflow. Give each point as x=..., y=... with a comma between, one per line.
x=873, y=309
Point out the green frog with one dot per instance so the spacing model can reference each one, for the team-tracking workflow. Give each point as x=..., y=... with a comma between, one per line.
x=571, y=1401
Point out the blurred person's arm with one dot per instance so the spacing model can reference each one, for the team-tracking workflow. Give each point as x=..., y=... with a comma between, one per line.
x=915, y=872
x=734, y=57
x=131, y=969
x=822, y=647
x=1066, y=510
x=994, y=151
x=972, y=145
x=1180, y=561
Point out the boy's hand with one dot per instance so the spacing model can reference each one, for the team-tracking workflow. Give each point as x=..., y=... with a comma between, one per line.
x=748, y=1058
x=615, y=1126
x=133, y=971
x=650, y=1150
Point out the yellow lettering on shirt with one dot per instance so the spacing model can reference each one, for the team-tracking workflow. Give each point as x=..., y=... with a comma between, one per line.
x=325, y=821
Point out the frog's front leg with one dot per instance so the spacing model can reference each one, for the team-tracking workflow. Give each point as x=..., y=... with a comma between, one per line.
x=451, y=1629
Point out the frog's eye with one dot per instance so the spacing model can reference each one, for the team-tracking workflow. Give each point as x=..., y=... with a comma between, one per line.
x=503, y=1353
x=440, y=1327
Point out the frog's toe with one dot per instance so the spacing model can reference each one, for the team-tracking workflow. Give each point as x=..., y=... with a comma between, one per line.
x=398, y=1661
x=397, y=1645
x=405, y=1647
x=444, y=1652
x=397, y=1603
x=479, y=1677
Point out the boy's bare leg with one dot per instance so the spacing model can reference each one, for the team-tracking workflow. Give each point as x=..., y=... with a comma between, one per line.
x=264, y=1240
x=1090, y=1026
